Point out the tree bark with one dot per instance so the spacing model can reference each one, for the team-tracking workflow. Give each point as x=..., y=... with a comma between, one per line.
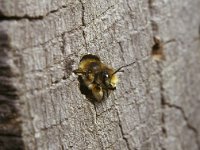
x=156, y=104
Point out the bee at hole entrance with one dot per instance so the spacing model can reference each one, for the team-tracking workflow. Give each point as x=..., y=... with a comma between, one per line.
x=96, y=79
x=158, y=48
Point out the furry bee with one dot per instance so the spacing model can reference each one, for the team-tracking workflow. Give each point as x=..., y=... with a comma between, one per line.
x=96, y=79
x=158, y=48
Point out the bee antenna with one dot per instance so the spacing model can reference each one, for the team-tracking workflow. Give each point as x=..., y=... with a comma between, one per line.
x=169, y=41
x=118, y=70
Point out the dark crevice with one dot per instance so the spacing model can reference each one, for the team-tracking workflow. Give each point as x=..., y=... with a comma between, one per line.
x=162, y=148
x=155, y=30
x=10, y=119
x=154, y=25
x=162, y=97
x=63, y=43
x=164, y=103
x=129, y=7
x=84, y=36
x=150, y=4
x=83, y=23
x=122, y=132
x=10, y=135
x=83, y=13
x=120, y=46
x=3, y=17
x=164, y=131
x=69, y=31
x=163, y=128
x=123, y=136
x=191, y=127
x=14, y=18
x=11, y=143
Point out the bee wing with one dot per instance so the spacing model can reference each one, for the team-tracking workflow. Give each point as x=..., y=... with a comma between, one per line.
x=97, y=93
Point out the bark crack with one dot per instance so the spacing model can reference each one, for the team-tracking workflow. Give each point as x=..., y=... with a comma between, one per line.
x=164, y=103
x=154, y=25
x=28, y=17
x=96, y=127
x=189, y=125
x=155, y=30
x=107, y=110
x=10, y=102
x=122, y=132
x=83, y=23
x=63, y=43
x=129, y=7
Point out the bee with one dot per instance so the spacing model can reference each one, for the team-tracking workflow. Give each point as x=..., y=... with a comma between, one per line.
x=96, y=79
x=158, y=48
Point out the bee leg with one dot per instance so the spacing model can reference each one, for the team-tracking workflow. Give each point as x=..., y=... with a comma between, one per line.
x=97, y=93
x=106, y=93
x=79, y=72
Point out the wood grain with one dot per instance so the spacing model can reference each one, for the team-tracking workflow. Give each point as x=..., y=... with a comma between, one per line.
x=156, y=104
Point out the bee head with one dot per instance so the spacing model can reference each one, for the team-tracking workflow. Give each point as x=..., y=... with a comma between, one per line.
x=109, y=80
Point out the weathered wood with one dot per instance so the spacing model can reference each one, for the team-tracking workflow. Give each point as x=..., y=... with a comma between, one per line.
x=10, y=122
x=156, y=104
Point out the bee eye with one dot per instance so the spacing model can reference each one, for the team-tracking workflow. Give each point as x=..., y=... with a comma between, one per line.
x=105, y=75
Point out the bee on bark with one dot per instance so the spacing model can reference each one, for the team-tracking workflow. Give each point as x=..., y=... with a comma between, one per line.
x=158, y=53
x=97, y=80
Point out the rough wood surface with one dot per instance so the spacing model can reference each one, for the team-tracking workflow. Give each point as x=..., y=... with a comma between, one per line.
x=156, y=104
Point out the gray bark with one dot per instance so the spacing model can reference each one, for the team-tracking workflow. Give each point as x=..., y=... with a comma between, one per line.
x=156, y=104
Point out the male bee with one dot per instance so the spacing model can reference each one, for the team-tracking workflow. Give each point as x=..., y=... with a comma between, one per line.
x=96, y=79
